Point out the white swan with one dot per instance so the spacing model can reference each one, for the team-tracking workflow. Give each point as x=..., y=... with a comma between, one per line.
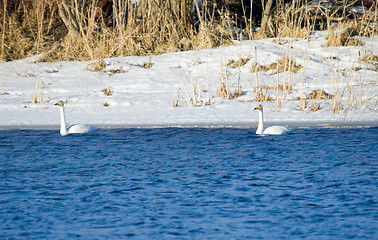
x=273, y=130
x=76, y=128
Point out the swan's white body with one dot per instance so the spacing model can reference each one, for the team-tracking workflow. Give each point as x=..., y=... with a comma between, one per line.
x=273, y=130
x=76, y=128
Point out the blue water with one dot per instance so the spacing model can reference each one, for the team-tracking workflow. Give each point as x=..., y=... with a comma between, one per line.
x=189, y=184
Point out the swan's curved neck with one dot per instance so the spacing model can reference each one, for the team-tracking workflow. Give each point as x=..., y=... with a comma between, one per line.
x=260, y=127
x=63, y=128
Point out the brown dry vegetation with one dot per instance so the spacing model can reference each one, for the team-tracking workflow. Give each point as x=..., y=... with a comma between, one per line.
x=238, y=63
x=370, y=58
x=284, y=64
x=97, y=66
x=262, y=97
x=345, y=38
x=107, y=91
x=224, y=92
x=96, y=29
x=318, y=94
x=298, y=18
x=315, y=107
x=303, y=105
x=281, y=87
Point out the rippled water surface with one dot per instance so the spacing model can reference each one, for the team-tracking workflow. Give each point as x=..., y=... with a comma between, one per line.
x=189, y=184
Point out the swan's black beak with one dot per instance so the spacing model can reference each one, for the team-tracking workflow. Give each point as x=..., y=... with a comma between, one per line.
x=257, y=108
x=56, y=103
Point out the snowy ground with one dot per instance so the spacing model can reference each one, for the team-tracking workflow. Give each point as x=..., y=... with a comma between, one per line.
x=143, y=97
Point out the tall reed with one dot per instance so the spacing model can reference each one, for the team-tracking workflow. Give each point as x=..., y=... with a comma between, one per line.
x=35, y=26
x=29, y=27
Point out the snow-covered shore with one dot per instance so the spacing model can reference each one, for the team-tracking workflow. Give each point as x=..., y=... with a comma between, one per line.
x=144, y=96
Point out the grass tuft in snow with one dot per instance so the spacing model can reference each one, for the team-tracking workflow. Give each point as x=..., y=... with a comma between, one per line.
x=175, y=103
x=148, y=65
x=117, y=70
x=107, y=91
x=262, y=97
x=223, y=92
x=145, y=65
x=318, y=94
x=339, y=40
x=284, y=64
x=97, y=66
x=370, y=58
x=238, y=63
x=315, y=107
x=281, y=87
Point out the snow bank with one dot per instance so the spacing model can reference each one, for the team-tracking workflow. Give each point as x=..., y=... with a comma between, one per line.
x=144, y=88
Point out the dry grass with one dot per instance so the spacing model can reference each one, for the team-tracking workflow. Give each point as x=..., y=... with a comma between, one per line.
x=97, y=66
x=236, y=94
x=145, y=65
x=303, y=104
x=336, y=104
x=238, y=63
x=281, y=87
x=223, y=92
x=107, y=91
x=262, y=97
x=319, y=95
x=284, y=64
x=175, y=103
x=344, y=38
x=148, y=65
x=298, y=18
x=371, y=58
x=334, y=58
x=315, y=107
x=117, y=70
x=284, y=41
x=347, y=32
x=29, y=27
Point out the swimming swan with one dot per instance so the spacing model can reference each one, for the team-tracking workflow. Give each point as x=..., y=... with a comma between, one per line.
x=274, y=130
x=76, y=128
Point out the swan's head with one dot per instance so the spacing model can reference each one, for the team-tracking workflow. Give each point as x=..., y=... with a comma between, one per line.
x=60, y=104
x=259, y=107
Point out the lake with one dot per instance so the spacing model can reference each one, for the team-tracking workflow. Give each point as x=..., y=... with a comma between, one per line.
x=189, y=183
